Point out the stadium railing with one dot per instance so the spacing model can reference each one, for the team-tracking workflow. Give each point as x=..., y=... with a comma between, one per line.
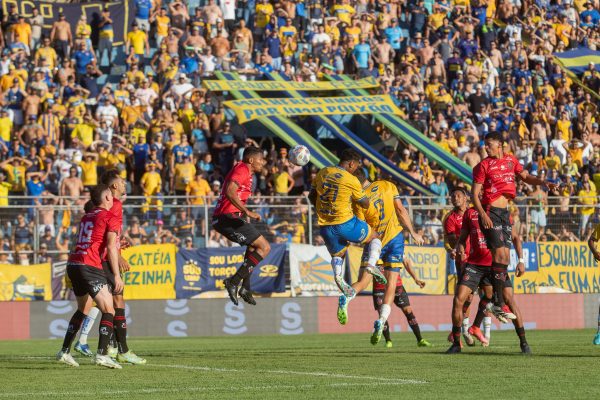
x=284, y=219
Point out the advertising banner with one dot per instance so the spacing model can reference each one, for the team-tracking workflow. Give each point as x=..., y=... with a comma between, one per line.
x=259, y=86
x=25, y=282
x=121, y=12
x=203, y=270
x=310, y=271
x=563, y=267
x=428, y=263
x=152, y=273
x=249, y=109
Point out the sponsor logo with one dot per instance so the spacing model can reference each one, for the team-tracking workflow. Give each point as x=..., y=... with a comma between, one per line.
x=291, y=319
x=269, y=271
x=103, y=330
x=235, y=320
x=191, y=272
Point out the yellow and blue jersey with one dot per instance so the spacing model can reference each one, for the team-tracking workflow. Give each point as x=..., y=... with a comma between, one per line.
x=337, y=190
x=381, y=216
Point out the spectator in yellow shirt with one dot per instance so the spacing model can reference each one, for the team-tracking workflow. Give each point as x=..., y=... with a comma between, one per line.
x=6, y=126
x=138, y=40
x=184, y=174
x=282, y=181
x=15, y=168
x=85, y=131
x=21, y=32
x=151, y=184
x=4, y=189
x=89, y=170
x=343, y=11
x=588, y=198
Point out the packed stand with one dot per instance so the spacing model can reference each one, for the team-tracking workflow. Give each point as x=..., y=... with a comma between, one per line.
x=75, y=105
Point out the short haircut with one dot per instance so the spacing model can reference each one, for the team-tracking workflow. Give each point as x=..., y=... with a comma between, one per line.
x=97, y=194
x=497, y=136
x=108, y=177
x=350, y=155
x=251, y=151
x=461, y=189
x=88, y=206
x=360, y=174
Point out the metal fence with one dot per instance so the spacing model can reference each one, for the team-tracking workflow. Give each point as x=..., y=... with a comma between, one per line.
x=33, y=233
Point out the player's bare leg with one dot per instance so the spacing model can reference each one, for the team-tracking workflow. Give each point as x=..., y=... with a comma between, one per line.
x=485, y=294
x=462, y=294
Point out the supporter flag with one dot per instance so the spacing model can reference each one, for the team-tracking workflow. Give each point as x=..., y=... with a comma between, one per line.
x=203, y=270
x=577, y=60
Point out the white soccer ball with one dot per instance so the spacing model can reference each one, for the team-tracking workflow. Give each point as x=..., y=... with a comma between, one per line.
x=299, y=155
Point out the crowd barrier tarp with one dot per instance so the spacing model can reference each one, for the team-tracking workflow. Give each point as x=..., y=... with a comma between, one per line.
x=285, y=129
x=530, y=256
x=25, y=282
x=152, y=272
x=563, y=267
x=59, y=270
x=121, y=13
x=428, y=263
x=247, y=110
x=258, y=86
x=203, y=270
x=356, y=142
x=310, y=271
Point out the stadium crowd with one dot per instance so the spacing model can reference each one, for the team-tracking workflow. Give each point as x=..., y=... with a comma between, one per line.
x=72, y=107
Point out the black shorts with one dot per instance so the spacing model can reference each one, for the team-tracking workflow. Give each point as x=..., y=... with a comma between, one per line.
x=400, y=298
x=110, y=277
x=487, y=281
x=235, y=229
x=500, y=235
x=87, y=279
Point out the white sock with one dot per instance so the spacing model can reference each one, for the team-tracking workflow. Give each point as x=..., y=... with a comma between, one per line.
x=337, y=263
x=87, y=325
x=384, y=312
x=465, y=325
x=374, y=252
x=487, y=327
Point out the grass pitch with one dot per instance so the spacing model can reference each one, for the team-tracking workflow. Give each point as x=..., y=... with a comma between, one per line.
x=564, y=365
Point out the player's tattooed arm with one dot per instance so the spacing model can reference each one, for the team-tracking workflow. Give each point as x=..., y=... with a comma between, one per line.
x=232, y=196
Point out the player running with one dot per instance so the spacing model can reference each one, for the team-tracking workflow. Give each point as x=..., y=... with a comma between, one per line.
x=494, y=179
x=334, y=192
x=98, y=232
x=230, y=220
x=387, y=216
x=401, y=300
x=477, y=270
x=592, y=243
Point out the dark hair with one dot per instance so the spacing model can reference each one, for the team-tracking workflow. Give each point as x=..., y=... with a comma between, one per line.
x=350, y=155
x=497, y=136
x=88, y=206
x=97, y=193
x=108, y=177
x=460, y=189
x=360, y=174
x=251, y=151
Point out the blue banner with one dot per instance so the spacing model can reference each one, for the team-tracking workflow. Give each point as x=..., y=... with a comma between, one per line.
x=203, y=270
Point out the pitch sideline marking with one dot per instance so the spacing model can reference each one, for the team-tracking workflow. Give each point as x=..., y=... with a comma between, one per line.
x=305, y=373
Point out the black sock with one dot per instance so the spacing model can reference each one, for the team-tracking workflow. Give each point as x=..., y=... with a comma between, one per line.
x=105, y=330
x=521, y=334
x=456, y=334
x=414, y=325
x=386, y=332
x=251, y=260
x=466, y=308
x=499, y=272
x=481, y=311
x=72, y=329
x=121, y=330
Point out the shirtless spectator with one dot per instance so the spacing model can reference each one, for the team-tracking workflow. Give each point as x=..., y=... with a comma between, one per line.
x=61, y=37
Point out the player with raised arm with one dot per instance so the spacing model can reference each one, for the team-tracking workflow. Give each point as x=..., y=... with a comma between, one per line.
x=97, y=234
x=230, y=220
x=477, y=271
x=494, y=179
x=402, y=301
x=592, y=243
x=334, y=192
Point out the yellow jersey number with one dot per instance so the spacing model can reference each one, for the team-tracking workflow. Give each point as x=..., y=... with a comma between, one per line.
x=328, y=198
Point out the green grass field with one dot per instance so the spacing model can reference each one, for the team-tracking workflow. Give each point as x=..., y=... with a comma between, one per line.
x=565, y=365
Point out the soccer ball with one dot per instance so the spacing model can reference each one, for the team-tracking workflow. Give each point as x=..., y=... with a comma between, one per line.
x=299, y=155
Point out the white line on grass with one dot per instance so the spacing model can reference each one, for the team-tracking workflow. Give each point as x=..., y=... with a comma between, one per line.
x=215, y=388
x=287, y=372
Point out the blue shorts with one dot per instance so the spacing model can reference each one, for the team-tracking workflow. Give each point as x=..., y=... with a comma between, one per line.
x=336, y=237
x=392, y=254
